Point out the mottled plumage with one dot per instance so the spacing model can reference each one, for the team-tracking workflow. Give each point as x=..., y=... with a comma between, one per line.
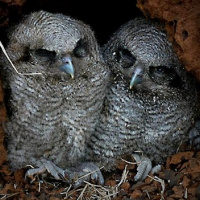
x=52, y=115
x=152, y=102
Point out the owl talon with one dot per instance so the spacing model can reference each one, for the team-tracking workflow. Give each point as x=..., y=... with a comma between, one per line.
x=56, y=172
x=76, y=176
x=87, y=172
x=144, y=167
x=35, y=171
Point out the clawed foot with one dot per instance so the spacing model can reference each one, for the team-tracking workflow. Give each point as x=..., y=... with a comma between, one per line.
x=87, y=172
x=56, y=172
x=144, y=167
x=76, y=176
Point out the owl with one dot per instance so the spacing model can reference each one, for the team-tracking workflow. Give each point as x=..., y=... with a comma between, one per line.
x=152, y=102
x=55, y=97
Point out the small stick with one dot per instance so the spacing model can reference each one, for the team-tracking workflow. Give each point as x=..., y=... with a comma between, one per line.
x=4, y=51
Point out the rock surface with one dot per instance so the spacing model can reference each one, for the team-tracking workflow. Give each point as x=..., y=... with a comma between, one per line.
x=182, y=23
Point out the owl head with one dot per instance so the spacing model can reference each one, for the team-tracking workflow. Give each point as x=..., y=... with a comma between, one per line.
x=140, y=53
x=51, y=43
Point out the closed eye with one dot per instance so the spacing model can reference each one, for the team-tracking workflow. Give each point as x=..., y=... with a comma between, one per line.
x=45, y=54
x=161, y=74
x=42, y=56
x=125, y=57
x=161, y=70
x=81, y=50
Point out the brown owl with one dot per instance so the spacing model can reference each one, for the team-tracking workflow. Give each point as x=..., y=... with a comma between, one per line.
x=152, y=102
x=51, y=115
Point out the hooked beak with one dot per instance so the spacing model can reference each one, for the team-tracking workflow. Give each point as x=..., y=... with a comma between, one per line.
x=137, y=76
x=67, y=66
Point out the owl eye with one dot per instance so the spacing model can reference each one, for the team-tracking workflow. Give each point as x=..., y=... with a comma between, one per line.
x=160, y=70
x=161, y=74
x=125, y=57
x=43, y=55
x=81, y=50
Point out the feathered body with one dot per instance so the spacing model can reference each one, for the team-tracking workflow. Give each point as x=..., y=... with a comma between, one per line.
x=155, y=115
x=52, y=114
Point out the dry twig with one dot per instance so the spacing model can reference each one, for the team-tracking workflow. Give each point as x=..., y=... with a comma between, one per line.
x=5, y=53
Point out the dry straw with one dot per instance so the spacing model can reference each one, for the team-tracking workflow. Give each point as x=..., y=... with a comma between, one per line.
x=5, y=53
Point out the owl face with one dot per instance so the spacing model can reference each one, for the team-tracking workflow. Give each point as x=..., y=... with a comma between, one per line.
x=59, y=62
x=52, y=44
x=141, y=54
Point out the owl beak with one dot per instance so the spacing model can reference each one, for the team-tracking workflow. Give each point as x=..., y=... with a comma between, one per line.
x=136, y=77
x=67, y=66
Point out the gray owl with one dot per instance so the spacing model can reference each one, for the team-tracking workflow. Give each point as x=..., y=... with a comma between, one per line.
x=52, y=114
x=152, y=102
